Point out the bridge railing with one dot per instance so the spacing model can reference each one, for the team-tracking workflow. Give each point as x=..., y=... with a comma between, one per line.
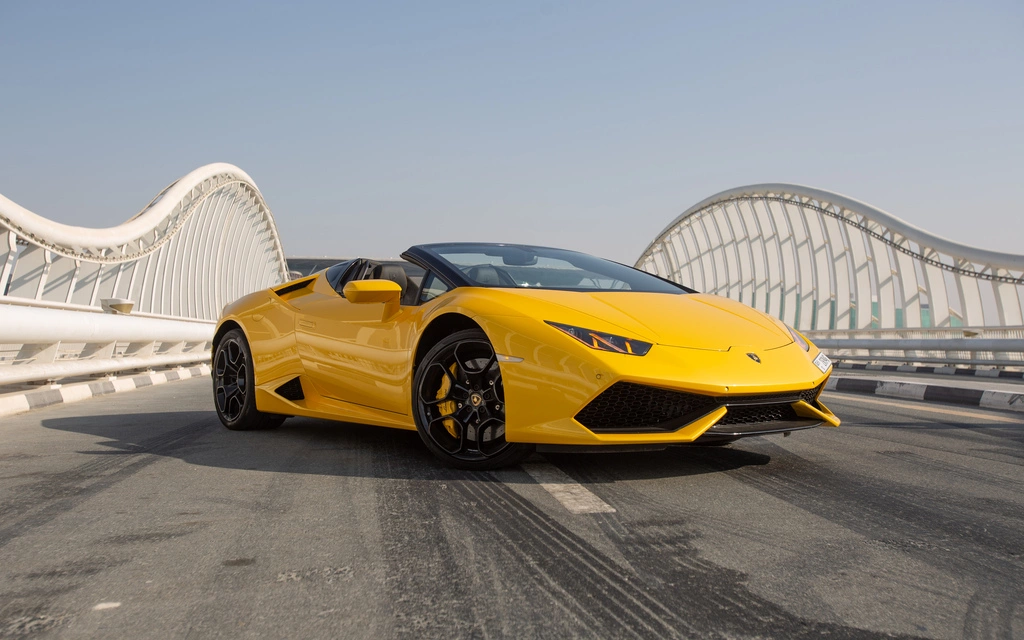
x=207, y=239
x=49, y=344
x=975, y=347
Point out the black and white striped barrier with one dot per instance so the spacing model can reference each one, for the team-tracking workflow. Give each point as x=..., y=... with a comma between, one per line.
x=28, y=400
x=922, y=391
x=949, y=371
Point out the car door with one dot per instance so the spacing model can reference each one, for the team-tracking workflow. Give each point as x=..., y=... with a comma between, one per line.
x=352, y=354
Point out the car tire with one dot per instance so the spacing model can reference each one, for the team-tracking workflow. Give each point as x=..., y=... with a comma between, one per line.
x=459, y=404
x=234, y=386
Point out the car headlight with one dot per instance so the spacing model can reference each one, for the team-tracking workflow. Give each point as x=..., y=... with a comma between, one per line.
x=604, y=341
x=799, y=339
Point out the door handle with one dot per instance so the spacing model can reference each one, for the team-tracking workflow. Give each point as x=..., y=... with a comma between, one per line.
x=306, y=324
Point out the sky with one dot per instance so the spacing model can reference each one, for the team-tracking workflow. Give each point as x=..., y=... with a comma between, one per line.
x=373, y=126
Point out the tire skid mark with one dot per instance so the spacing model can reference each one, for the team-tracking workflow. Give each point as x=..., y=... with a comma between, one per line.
x=863, y=504
x=423, y=576
x=590, y=569
x=669, y=586
x=659, y=549
x=37, y=503
x=953, y=470
x=944, y=427
x=990, y=613
x=948, y=538
x=992, y=453
x=223, y=578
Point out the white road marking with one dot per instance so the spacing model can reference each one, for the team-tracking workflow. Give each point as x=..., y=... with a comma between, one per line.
x=103, y=606
x=920, y=407
x=573, y=496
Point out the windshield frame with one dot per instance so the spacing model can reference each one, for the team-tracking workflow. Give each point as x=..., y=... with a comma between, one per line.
x=427, y=256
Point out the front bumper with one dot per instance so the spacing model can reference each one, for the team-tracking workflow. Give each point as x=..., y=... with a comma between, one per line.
x=558, y=379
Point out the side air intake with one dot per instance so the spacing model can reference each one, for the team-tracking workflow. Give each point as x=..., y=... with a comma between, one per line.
x=294, y=286
x=291, y=390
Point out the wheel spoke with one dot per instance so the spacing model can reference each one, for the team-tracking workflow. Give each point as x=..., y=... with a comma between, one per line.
x=229, y=400
x=235, y=356
x=433, y=384
x=234, y=405
x=220, y=367
x=462, y=375
x=442, y=438
x=469, y=377
x=497, y=440
x=490, y=363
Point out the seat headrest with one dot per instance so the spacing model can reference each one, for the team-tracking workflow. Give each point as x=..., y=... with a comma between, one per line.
x=485, y=274
x=391, y=272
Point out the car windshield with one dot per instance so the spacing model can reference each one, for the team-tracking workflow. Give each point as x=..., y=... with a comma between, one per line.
x=504, y=265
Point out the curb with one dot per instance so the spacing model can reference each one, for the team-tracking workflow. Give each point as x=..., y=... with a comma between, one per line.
x=986, y=399
x=949, y=371
x=22, y=402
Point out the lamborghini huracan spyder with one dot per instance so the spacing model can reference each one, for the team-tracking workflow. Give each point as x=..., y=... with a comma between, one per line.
x=488, y=350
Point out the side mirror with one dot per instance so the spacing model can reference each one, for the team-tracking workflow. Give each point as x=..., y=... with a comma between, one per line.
x=371, y=291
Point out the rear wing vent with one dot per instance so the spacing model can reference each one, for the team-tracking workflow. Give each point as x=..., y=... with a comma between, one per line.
x=291, y=287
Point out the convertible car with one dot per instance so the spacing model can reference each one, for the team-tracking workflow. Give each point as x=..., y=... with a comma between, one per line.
x=491, y=350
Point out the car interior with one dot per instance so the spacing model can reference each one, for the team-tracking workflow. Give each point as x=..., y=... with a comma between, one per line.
x=405, y=274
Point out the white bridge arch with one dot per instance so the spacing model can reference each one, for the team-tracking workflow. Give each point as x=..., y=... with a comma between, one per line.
x=205, y=240
x=834, y=266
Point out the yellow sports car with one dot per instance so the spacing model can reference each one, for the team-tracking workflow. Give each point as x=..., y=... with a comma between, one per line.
x=490, y=350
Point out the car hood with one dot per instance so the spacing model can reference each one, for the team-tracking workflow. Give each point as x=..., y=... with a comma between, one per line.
x=696, y=321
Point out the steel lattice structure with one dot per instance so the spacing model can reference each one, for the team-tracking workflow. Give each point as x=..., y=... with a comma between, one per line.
x=205, y=240
x=824, y=262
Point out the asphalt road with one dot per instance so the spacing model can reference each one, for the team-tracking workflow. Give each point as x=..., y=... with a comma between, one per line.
x=138, y=516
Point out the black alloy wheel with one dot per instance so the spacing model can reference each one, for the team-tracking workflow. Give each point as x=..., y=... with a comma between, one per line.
x=459, y=404
x=234, y=391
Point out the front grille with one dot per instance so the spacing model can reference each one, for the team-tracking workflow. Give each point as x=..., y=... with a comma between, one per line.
x=753, y=414
x=631, y=407
x=811, y=395
x=627, y=407
x=807, y=396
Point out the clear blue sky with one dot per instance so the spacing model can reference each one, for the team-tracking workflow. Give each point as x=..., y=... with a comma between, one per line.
x=372, y=126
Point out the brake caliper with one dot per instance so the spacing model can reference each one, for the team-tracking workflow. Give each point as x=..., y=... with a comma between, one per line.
x=447, y=408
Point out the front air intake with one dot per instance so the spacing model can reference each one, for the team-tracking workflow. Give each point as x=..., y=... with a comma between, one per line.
x=627, y=407
x=757, y=414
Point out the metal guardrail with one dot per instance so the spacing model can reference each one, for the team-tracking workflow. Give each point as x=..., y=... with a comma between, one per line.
x=47, y=344
x=1004, y=352
x=44, y=341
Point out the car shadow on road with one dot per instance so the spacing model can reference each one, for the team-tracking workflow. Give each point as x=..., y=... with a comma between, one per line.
x=323, y=447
